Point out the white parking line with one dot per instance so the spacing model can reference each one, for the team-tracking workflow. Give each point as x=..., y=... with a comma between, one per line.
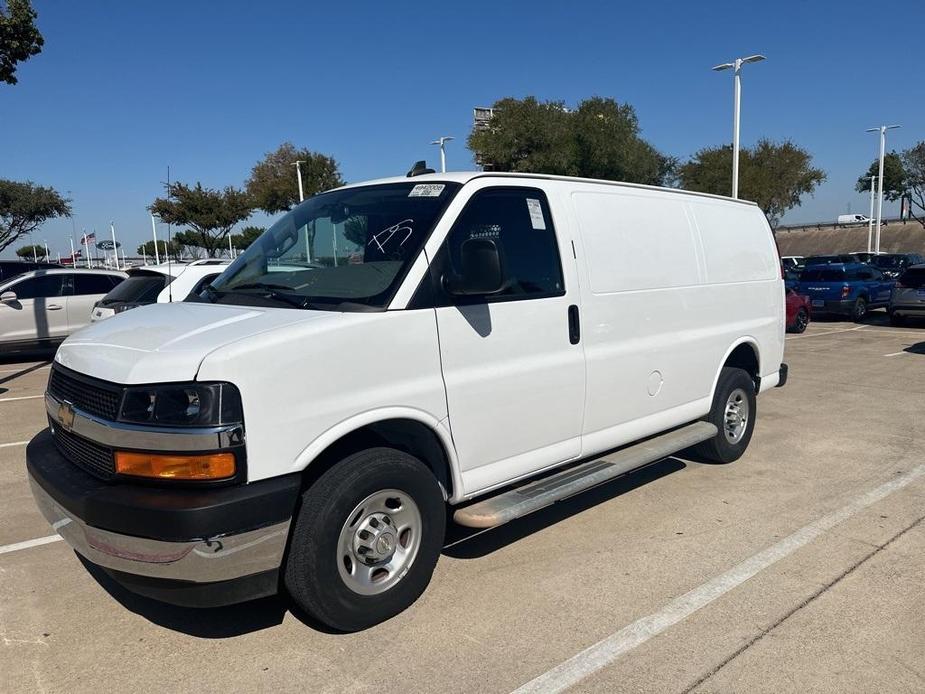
x=22, y=397
x=896, y=354
x=830, y=332
x=29, y=543
x=14, y=443
x=605, y=652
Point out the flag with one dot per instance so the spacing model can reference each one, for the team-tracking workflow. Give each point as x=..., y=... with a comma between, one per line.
x=87, y=239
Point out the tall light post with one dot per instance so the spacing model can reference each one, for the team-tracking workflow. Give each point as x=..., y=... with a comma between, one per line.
x=157, y=255
x=73, y=259
x=441, y=141
x=870, y=217
x=737, y=99
x=115, y=244
x=46, y=251
x=298, y=173
x=882, y=130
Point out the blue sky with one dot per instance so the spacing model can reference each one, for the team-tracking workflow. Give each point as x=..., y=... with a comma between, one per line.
x=122, y=89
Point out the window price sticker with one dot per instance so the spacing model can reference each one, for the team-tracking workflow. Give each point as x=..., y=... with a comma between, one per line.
x=426, y=190
x=536, y=214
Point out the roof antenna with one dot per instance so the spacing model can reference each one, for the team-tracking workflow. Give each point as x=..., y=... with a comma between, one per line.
x=419, y=169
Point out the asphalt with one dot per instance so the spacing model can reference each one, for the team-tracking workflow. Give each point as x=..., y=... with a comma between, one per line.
x=838, y=609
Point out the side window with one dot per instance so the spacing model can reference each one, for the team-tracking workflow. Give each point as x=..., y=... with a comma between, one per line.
x=518, y=221
x=38, y=287
x=92, y=284
x=875, y=274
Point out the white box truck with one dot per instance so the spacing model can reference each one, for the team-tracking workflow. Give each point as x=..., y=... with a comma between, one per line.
x=488, y=342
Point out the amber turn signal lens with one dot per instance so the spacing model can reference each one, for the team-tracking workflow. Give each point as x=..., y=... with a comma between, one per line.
x=212, y=466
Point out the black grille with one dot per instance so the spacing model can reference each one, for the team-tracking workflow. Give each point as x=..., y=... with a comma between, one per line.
x=92, y=396
x=92, y=457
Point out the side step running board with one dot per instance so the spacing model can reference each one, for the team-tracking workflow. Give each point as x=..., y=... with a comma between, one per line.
x=541, y=493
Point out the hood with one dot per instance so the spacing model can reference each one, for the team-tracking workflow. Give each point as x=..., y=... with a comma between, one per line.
x=167, y=342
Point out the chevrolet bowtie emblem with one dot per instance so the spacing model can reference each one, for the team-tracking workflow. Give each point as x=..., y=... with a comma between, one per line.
x=66, y=415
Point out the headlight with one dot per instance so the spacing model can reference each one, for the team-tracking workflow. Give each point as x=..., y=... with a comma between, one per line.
x=182, y=404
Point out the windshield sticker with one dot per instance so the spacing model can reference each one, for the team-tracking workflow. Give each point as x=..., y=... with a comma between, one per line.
x=427, y=190
x=536, y=214
x=401, y=230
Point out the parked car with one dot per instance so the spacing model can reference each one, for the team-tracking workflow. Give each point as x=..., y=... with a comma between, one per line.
x=847, y=219
x=799, y=312
x=908, y=297
x=158, y=284
x=893, y=264
x=830, y=259
x=11, y=268
x=792, y=261
x=306, y=428
x=849, y=289
x=791, y=278
x=40, y=308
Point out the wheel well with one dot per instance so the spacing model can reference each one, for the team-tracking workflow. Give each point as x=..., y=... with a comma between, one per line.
x=744, y=357
x=408, y=435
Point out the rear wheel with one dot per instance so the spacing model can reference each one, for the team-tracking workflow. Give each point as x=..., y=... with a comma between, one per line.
x=859, y=310
x=800, y=322
x=366, y=539
x=733, y=412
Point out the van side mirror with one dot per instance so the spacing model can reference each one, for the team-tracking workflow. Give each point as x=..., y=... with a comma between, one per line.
x=8, y=297
x=481, y=274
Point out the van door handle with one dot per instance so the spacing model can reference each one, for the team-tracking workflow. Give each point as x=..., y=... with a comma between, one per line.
x=574, y=325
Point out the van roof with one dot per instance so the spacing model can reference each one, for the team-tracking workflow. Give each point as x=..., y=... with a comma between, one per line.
x=466, y=176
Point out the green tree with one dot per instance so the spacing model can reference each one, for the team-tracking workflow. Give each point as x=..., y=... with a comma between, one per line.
x=209, y=214
x=247, y=236
x=776, y=176
x=273, y=186
x=31, y=252
x=24, y=207
x=600, y=138
x=19, y=37
x=913, y=160
x=894, y=176
x=189, y=244
x=164, y=248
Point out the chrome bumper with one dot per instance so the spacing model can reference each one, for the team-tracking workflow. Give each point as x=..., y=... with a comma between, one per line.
x=218, y=558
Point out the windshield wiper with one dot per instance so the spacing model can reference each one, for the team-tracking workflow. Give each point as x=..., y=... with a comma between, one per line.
x=271, y=291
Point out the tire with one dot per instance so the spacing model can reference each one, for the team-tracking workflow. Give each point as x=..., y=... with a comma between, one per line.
x=859, y=310
x=726, y=448
x=374, y=491
x=800, y=322
x=897, y=320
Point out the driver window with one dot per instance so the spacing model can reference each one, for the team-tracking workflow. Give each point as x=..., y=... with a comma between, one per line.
x=38, y=287
x=518, y=221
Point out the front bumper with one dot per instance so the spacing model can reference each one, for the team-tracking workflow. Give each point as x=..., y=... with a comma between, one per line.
x=172, y=544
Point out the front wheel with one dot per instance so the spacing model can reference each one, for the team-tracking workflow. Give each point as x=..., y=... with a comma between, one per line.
x=366, y=539
x=859, y=310
x=733, y=412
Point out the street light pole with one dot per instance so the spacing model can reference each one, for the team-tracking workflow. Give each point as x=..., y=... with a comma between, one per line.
x=882, y=130
x=157, y=255
x=736, y=66
x=441, y=141
x=115, y=246
x=298, y=173
x=73, y=259
x=870, y=217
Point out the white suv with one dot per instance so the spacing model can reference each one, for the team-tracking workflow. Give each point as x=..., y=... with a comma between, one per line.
x=158, y=284
x=39, y=309
x=388, y=349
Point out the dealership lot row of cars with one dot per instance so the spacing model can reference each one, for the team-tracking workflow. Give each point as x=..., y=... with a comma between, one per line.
x=852, y=284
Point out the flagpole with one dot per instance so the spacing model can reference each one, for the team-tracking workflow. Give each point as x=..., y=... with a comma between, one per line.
x=73, y=259
x=96, y=253
x=115, y=247
x=157, y=255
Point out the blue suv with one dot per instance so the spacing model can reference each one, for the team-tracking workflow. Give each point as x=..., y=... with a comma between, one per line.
x=848, y=289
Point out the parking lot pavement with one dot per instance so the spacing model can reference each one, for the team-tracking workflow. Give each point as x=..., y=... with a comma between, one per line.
x=797, y=568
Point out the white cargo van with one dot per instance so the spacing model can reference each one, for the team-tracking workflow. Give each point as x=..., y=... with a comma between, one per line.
x=845, y=219
x=491, y=342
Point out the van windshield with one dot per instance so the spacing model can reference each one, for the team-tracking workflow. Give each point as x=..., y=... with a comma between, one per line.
x=344, y=250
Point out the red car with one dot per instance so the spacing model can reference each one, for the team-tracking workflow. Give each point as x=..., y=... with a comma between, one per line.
x=798, y=312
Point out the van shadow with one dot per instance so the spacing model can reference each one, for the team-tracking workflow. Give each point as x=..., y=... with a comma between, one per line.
x=478, y=316
x=474, y=543
x=917, y=348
